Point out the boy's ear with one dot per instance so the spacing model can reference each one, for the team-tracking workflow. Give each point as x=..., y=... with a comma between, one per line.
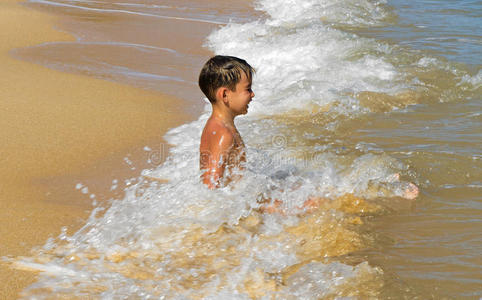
x=222, y=94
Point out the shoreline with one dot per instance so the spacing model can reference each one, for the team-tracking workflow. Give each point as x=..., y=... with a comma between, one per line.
x=59, y=129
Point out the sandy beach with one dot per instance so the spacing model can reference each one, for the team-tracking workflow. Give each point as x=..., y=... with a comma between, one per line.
x=58, y=129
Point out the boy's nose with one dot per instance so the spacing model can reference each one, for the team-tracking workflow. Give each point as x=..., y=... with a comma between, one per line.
x=252, y=94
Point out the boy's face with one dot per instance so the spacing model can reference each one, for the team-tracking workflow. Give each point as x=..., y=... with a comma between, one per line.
x=241, y=96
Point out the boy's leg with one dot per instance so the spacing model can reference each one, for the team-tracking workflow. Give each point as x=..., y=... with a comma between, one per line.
x=411, y=192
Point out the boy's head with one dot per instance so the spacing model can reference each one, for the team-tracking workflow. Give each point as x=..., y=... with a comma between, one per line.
x=222, y=71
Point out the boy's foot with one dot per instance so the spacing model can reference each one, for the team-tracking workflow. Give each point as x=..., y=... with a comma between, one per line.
x=411, y=192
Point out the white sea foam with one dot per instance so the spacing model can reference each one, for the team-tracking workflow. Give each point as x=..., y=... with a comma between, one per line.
x=353, y=12
x=305, y=64
x=301, y=60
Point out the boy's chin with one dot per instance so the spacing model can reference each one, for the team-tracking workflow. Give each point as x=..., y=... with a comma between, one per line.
x=240, y=113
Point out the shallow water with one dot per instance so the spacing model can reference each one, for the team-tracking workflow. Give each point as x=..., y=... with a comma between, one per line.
x=347, y=95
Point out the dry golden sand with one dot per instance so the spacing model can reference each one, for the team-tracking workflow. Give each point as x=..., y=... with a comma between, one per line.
x=56, y=127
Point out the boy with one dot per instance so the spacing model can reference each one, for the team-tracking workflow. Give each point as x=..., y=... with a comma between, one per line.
x=226, y=82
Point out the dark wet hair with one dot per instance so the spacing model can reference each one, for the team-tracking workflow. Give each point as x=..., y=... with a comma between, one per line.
x=222, y=71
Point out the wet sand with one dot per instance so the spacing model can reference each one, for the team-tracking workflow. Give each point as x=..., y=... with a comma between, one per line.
x=58, y=129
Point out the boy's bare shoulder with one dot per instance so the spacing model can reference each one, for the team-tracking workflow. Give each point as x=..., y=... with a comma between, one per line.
x=216, y=134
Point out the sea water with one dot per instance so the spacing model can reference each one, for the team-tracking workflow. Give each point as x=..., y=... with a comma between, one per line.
x=355, y=99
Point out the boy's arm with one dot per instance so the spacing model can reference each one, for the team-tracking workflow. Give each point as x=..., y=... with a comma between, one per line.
x=214, y=160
